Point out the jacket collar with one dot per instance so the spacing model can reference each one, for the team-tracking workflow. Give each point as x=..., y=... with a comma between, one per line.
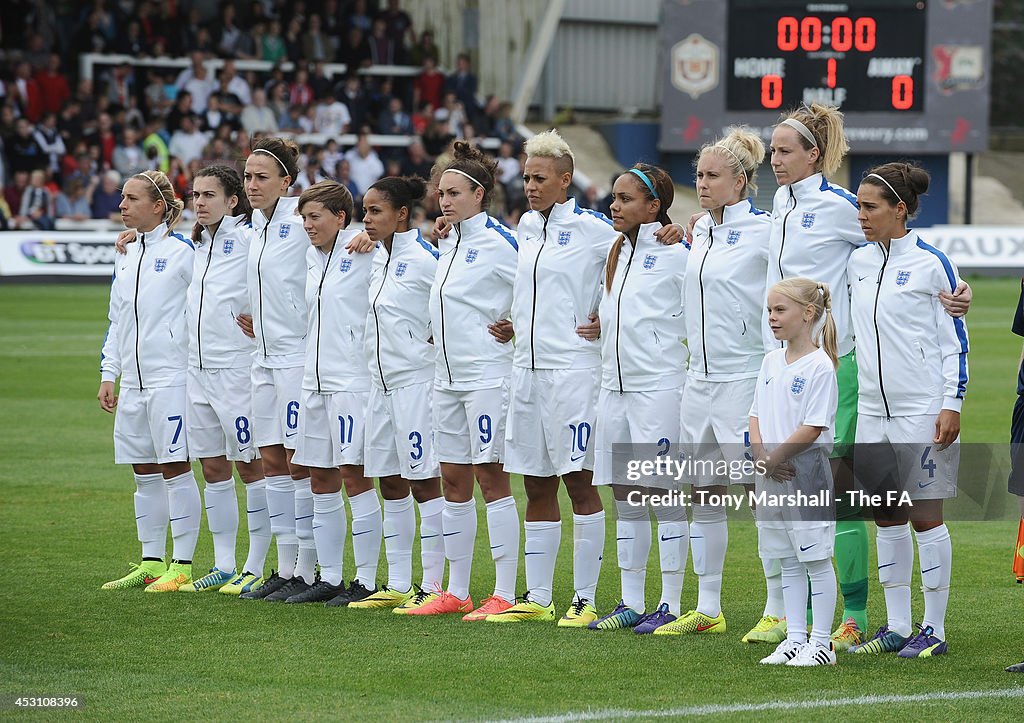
x=645, y=236
x=156, y=235
x=473, y=225
x=286, y=206
x=227, y=224
x=900, y=246
x=404, y=241
x=808, y=186
x=563, y=212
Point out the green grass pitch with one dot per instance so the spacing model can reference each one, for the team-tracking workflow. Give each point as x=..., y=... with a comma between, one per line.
x=66, y=526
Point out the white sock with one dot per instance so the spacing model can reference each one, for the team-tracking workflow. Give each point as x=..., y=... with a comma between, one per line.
x=432, y=543
x=503, y=531
x=459, y=522
x=542, y=542
x=281, y=511
x=709, y=538
x=774, y=605
x=674, y=546
x=588, y=550
x=935, y=551
x=305, y=563
x=367, y=529
x=823, y=599
x=794, y=594
x=151, y=516
x=259, y=526
x=329, y=530
x=633, y=546
x=399, y=528
x=895, y=566
x=222, y=517
x=185, y=508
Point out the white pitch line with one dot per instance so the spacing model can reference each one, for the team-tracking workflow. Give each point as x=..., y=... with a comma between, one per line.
x=702, y=710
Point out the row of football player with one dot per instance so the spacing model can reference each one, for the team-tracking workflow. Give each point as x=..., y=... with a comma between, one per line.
x=552, y=384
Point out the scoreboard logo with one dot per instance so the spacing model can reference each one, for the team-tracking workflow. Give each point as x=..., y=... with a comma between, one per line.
x=695, y=65
x=958, y=67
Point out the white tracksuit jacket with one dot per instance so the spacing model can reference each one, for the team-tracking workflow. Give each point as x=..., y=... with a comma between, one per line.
x=337, y=284
x=558, y=286
x=724, y=293
x=473, y=288
x=814, y=231
x=642, y=322
x=398, y=328
x=217, y=294
x=277, y=286
x=911, y=355
x=147, y=341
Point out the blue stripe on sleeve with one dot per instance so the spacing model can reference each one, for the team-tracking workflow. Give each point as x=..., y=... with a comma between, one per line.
x=505, y=233
x=433, y=252
x=958, y=324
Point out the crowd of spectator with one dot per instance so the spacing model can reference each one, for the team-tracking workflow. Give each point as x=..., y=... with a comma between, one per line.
x=67, y=142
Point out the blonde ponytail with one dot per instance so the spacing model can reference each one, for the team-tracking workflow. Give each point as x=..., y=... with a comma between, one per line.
x=807, y=292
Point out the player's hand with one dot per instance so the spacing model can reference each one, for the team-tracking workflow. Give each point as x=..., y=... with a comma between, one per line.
x=947, y=429
x=957, y=303
x=441, y=228
x=361, y=244
x=691, y=223
x=108, y=400
x=670, y=234
x=244, y=322
x=502, y=330
x=123, y=239
x=591, y=331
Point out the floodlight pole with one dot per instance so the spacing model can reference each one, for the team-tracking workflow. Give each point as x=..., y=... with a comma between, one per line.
x=536, y=56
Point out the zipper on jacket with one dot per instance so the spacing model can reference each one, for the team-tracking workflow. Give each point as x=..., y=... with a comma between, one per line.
x=138, y=279
x=878, y=337
x=319, y=294
x=700, y=283
x=202, y=294
x=444, y=345
x=376, y=318
x=533, y=311
x=618, y=317
x=782, y=246
x=259, y=286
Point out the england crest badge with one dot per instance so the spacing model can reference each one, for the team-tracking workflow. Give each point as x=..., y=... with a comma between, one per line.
x=400, y=269
x=564, y=237
x=649, y=261
x=807, y=221
x=345, y=265
x=286, y=228
x=159, y=265
x=471, y=255
x=229, y=246
x=733, y=238
x=902, y=278
x=798, y=385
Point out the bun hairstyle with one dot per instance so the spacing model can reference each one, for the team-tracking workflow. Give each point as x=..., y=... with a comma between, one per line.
x=468, y=160
x=807, y=292
x=334, y=196
x=284, y=153
x=401, y=192
x=743, y=152
x=159, y=188
x=900, y=181
x=231, y=184
x=664, y=191
x=825, y=124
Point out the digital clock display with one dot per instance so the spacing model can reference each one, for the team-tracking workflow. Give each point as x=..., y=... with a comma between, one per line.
x=859, y=56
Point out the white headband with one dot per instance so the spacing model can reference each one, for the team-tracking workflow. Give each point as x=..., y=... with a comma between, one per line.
x=463, y=173
x=801, y=129
x=888, y=185
x=733, y=154
x=167, y=206
x=283, y=167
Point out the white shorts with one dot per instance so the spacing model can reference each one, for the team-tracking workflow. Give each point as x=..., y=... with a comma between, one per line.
x=331, y=429
x=399, y=435
x=149, y=426
x=220, y=414
x=715, y=424
x=275, y=405
x=469, y=426
x=903, y=446
x=635, y=425
x=806, y=541
x=551, y=418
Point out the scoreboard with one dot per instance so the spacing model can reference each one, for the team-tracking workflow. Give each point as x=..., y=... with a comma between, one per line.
x=909, y=75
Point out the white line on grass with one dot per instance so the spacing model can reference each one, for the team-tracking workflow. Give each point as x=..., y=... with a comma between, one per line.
x=700, y=710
